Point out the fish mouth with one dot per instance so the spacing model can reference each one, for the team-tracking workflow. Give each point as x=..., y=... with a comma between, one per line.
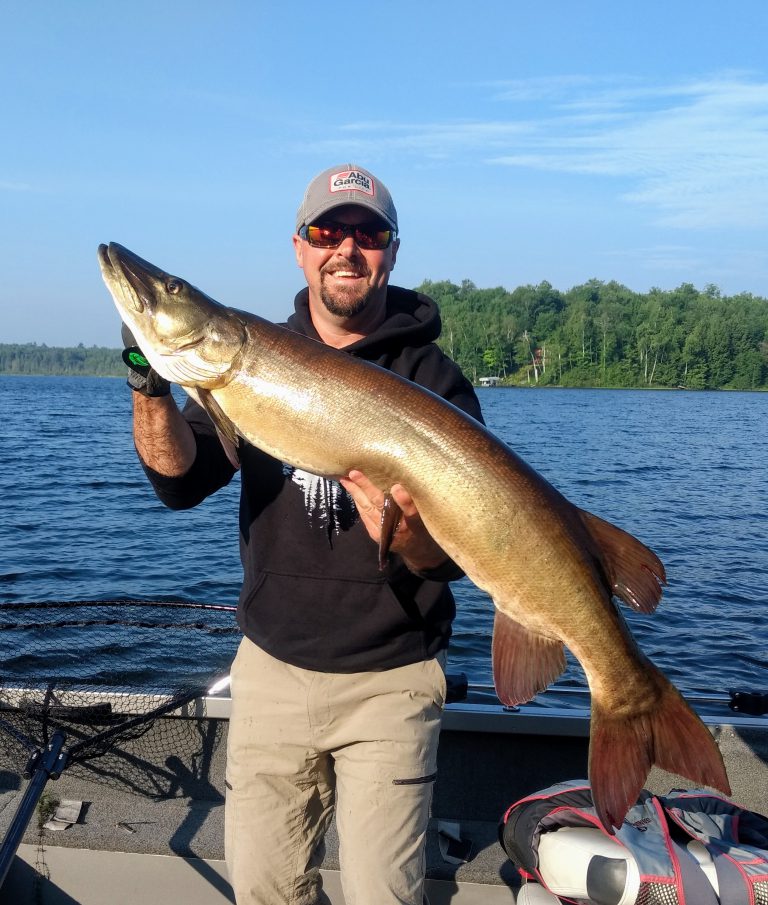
x=104, y=261
x=138, y=286
x=121, y=265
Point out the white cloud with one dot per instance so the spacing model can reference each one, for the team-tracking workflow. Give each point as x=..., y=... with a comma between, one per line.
x=695, y=151
x=543, y=88
x=434, y=139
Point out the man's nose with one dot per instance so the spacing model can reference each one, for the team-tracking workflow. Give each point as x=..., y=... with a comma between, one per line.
x=349, y=247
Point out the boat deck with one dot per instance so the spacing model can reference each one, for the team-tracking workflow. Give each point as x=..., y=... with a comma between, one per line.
x=128, y=847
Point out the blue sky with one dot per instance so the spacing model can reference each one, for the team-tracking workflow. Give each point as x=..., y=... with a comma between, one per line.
x=522, y=142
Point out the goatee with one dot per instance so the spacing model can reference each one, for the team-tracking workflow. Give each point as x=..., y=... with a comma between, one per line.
x=342, y=301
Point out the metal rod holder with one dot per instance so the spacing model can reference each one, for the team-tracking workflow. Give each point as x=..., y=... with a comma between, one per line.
x=48, y=765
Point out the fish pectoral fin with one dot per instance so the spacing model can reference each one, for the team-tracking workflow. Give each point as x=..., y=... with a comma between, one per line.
x=390, y=519
x=224, y=427
x=524, y=662
x=635, y=573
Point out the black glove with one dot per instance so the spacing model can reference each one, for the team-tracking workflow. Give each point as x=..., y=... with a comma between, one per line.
x=142, y=377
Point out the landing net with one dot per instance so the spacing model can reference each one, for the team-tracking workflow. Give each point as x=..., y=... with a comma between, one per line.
x=82, y=684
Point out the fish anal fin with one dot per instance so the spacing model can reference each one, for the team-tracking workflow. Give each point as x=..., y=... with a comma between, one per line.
x=623, y=749
x=225, y=429
x=635, y=572
x=390, y=519
x=524, y=662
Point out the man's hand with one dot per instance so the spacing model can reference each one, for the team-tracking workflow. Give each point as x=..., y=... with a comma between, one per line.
x=411, y=540
x=142, y=377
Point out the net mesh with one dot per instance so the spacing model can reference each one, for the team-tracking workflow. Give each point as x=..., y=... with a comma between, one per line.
x=657, y=894
x=102, y=672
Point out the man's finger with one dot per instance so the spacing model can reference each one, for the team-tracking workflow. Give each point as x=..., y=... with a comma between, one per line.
x=404, y=500
x=365, y=485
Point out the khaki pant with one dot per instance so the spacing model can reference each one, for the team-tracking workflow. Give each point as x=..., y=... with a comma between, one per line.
x=302, y=743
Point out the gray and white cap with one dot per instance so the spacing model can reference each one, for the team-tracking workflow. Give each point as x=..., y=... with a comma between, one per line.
x=345, y=184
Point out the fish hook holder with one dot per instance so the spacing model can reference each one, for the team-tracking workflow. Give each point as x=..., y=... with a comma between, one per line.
x=72, y=690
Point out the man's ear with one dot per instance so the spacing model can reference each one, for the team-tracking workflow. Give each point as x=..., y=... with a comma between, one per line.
x=298, y=250
x=395, y=246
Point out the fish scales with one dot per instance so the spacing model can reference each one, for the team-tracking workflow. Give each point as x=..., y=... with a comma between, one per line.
x=467, y=508
x=550, y=568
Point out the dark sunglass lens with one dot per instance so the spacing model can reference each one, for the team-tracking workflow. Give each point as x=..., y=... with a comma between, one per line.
x=325, y=235
x=371, y=236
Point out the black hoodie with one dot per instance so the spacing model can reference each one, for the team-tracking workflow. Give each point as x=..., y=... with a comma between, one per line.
x=313, y=594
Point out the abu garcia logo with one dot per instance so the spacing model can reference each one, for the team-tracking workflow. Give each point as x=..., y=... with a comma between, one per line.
x=352, y=181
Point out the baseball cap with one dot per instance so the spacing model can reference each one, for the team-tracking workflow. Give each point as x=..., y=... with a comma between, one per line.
x=345, y=184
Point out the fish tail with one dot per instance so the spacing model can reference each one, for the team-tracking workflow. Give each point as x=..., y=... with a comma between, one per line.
x=623, y=750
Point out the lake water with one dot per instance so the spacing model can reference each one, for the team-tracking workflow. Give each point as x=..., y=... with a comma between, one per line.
x=685, y=472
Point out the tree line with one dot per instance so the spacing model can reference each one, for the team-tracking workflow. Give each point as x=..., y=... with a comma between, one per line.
x=605, y=335
x=594, y=335
x=31, y=358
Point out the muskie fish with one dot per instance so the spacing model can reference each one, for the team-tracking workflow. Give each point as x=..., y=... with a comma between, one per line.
x=551, y=569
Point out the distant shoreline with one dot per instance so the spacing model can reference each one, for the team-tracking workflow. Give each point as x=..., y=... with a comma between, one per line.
x=83, y=374
x=521, y=387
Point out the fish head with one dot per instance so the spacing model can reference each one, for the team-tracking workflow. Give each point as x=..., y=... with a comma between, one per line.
x=187, y=337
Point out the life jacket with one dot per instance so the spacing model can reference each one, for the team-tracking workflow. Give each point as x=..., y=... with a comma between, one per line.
x=686, y=848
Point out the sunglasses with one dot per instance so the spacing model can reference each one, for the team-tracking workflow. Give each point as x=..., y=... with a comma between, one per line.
x=329, y=234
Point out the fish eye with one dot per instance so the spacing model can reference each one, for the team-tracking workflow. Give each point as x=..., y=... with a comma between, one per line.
x=174, y=286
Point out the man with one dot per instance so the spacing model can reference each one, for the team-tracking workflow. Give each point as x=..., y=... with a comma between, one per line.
x=338, y=685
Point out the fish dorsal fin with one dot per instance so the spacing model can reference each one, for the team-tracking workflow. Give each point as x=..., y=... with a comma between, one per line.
x=524, y=662
x=224, y=427
x=635, y=573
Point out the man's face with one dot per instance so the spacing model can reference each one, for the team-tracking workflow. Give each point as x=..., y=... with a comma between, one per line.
x=346, y=279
